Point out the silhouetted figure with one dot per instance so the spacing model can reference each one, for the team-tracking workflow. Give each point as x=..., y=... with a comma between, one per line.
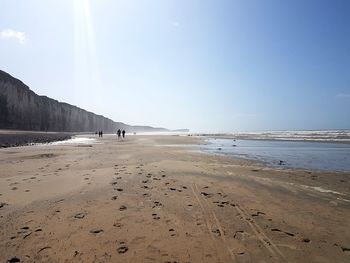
x=118, y=133
x=101, y=133
x=123, y=132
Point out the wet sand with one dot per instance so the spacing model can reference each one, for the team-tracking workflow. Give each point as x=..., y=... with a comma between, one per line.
x=146, y=200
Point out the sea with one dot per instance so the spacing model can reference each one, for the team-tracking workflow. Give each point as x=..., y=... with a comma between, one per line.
x=310, y=150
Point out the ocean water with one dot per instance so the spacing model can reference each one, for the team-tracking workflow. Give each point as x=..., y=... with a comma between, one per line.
x=323, y=135
x=293, y=154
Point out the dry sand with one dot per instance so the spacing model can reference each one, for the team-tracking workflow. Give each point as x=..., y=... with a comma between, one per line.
x=146, y=200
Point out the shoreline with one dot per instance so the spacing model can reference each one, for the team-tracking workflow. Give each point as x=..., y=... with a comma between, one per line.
x=229, y=137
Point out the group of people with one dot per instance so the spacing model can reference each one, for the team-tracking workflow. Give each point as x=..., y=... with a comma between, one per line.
x=119, y=132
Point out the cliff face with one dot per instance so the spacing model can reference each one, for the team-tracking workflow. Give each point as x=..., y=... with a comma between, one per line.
x=22, y=109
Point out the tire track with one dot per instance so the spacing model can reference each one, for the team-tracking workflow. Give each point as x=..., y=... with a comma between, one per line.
x=260, y=234
x=207, y=213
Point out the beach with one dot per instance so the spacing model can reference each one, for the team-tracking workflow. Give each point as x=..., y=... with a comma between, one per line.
x=154, y=199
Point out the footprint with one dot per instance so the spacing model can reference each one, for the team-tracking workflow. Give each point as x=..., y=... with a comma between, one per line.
x=122, y=208
x=80, y=215
x=155, y=217
x=2, y=204
x=96, y=231
x=123, y=248
x=157, y=204
x=207, y=195
x=14, y=259
x=115, y=197
x=258, y=213
x=240, y=235
x=172, y=231
x=117, y=224
x=307, y=240
x=14, y=188
x=278, y=230
x=119, y=189
x=216, y=232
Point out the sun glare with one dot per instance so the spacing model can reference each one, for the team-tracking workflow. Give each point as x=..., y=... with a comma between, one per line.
x=86, y=66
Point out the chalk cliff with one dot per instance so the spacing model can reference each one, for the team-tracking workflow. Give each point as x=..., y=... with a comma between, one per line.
x=22, y=109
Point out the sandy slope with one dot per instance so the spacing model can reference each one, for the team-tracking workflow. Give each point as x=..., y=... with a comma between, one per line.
x=143, y=200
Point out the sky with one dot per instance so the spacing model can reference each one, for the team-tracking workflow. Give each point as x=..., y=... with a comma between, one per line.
x=209, y=66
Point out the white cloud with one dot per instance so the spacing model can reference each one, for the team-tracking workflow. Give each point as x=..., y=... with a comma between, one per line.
x=175, y=24
x=343, y=96
x=10, y=33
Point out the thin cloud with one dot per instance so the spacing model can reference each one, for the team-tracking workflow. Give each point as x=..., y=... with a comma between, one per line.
x=12, y=34
x=343, y=96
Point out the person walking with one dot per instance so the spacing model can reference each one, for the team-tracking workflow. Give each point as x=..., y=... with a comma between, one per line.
x=123, y=132
x=118, y=133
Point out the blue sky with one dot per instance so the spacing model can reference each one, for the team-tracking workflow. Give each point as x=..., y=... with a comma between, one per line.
x=204, y=65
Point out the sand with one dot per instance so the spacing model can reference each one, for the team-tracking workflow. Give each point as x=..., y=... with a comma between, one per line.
x=150, y=199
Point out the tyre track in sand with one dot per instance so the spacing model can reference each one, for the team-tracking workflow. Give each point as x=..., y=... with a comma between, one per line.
x=211, y=219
